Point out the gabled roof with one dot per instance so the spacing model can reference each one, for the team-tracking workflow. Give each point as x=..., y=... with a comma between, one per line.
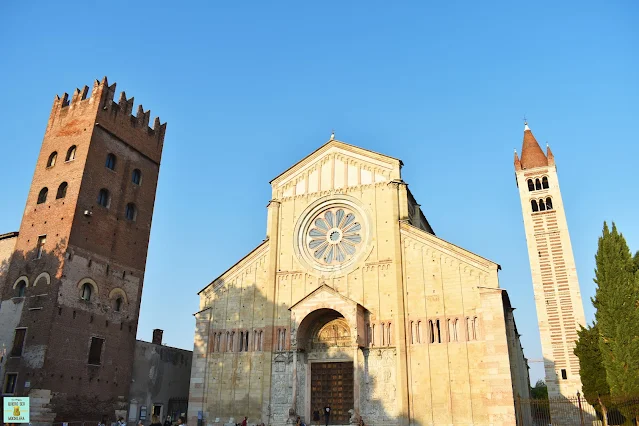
x=319, y=289
x=339, y=144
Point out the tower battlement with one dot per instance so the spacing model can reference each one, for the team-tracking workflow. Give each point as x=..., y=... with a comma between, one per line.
x=115, y=117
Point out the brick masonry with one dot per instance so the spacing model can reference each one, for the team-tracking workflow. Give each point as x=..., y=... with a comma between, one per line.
x=85, y=243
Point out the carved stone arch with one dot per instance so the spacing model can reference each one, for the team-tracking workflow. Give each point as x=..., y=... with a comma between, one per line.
x=120, y=292
x=20, y=279
x=89, y=281
x=44, y=275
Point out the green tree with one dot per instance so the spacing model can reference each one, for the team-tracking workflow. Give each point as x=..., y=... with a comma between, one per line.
x=540, y=391
x=617, y=316
x=591, y=370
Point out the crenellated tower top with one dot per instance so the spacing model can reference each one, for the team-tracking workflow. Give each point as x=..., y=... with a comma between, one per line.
x=115, y=117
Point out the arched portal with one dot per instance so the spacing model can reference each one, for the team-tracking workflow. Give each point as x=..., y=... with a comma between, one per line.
x=325, y=338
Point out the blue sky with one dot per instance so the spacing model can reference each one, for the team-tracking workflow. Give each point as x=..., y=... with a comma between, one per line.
x=249, y=88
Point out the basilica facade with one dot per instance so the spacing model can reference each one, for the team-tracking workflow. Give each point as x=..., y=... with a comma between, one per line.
x=353, y=302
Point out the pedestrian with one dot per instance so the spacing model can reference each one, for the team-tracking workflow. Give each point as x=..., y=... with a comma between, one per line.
x=245, y=421
x=168, y=422
x=103, y=421
x=121, y=421
x=181, y=421
x=316, y=417
x=155, y=420
x=327, y=413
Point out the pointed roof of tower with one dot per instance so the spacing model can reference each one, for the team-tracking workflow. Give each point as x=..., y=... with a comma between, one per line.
x=531, y=154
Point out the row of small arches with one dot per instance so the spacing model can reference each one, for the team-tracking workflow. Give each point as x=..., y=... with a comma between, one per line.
x=541, y=204
x=536, y=185
x=111, y=160
x=383, y=339
x=232, y=341
x=438, y=334
x=89, y=291
x=21, y=284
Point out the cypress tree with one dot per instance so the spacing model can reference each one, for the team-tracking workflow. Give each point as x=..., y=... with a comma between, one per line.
x=617, y=317
x=593, y=375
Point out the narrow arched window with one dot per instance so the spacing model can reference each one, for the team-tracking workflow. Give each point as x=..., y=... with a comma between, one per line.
x=475, y=328
x=118, y=304
x=218, y=341
x=21, y=288
x=231, y=341
x=455, y=329
x=469, y=328
x=533, y=204
x=246, y=341
x=52, y=158
x=388, y=331
x=548, y=203
x=431, y=332
x=419, y=331
x=86, y=291
x=373, y=335
x=255, y=340
x=62, y=190
x=104, y=198
x=542, y=205
x=261, y=340
x=544, y=182
x=136, y=177
x=42, y=196
x=130, y=212
x=383, y=334
x=537, y=184
x=70, y=154
x=439, y=332
x=110, y=162
x=531, y=185
x=412, y=333
x=449, y=324
x=241, y=341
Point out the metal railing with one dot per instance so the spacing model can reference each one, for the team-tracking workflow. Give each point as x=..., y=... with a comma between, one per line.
x=574, y=411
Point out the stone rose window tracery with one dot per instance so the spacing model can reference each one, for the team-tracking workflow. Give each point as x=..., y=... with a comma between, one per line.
x=334, y=236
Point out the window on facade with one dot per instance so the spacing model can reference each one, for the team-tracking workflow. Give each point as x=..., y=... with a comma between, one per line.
x=110, y=162
x=241, y=341
x=42, y=239
x=86, y=291
x=419, y=332
x=118, y=304
x=373, y=335
x=564, y=374
x=246, y=341
x=533, y=204
x=537, y=184
x=131, y=211
x=21, y=288
x=70, y=154
x=42, y=196
x=531, y=185
x=431, y=332
x=542, y=205
x=261, y=340
x=136, y=177
x=383, y=334
x=475, y=328
x=412, y=333
x=62, y=191
x=388, y=334
x=438, y=330
x=544, y=182
x=52, y=158
x=455, y=321
x=95, y=351
x=231, y=341
x=548, y=203
x=104, y=197
x=18, y=342
x=218, y=342
x=10, y=383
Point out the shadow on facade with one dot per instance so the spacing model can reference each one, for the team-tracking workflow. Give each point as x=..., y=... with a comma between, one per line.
x=269, y=377
x=30, y=286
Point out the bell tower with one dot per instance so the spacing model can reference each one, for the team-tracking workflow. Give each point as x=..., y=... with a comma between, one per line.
x=552, y=264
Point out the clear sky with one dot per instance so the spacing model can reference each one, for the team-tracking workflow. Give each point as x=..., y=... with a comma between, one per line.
x=249, y=88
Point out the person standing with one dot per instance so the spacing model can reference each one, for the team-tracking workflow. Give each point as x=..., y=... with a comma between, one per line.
x=245, y=421
x=327, y=413
x=316, y=417
x=155, y=420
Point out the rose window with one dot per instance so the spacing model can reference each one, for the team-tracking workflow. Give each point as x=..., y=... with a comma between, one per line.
x=334, y=236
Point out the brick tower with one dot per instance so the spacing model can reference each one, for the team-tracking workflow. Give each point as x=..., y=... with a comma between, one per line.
x=557, y=296
x=71, y=292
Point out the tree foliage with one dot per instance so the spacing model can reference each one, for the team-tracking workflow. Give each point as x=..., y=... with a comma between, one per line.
x=591, y=369
x=540, y=391
x=617, y=316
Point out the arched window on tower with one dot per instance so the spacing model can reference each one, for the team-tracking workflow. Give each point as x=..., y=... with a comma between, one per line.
x=136, y=178
x=537, y=184
x=533, y=204
x=118, y=304
x=110, y=162
x=86, y=292
x=52, y=158
x=548, y=203
x=62, y=191
x=104, y=197
x=70, y=154
x=531, y=185
x=42, y=196
x=542, y=205
x=544, y=182
x=21, y=288
x=131, y=212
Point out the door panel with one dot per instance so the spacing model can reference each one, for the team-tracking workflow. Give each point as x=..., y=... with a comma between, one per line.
x=332, y=384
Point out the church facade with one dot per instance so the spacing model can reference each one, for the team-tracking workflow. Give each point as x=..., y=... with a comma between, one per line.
x=352, y=301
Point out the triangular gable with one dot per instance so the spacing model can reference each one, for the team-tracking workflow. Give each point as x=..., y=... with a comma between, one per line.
x=316, y=296
x=335, y=165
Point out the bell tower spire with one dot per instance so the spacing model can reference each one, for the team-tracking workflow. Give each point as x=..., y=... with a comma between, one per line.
x=552, y=264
